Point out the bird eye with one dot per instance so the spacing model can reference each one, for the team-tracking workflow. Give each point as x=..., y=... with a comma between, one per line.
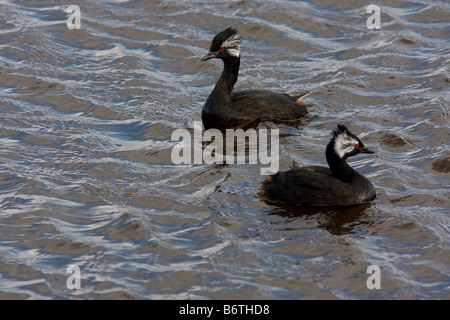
x=357, y=146
x=222, y=48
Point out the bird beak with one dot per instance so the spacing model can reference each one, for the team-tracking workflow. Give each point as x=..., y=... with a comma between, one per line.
x=209, y=55
x=365, y=150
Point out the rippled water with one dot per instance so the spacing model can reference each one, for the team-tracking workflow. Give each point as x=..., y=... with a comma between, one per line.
x=86, y=176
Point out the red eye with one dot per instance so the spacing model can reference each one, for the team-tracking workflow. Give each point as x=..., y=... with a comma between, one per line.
x=357, y=146
x=222, y=48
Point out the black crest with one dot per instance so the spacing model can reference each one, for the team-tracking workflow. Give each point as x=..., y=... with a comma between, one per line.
x=223, y=37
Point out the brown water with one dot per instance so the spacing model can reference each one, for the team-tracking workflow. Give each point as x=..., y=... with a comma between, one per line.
x=86, y=176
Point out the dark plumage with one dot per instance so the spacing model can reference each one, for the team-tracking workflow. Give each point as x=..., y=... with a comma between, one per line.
x=227, y=109
x=314, y=186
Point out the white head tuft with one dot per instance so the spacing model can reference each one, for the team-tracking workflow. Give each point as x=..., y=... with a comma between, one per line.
x=233, y=44
x=344, y=142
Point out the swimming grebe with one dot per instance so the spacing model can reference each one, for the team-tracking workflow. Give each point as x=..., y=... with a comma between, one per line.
x=314, y=186
x=227, y=109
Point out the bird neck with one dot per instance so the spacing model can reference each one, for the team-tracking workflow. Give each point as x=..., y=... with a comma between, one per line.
x=227, y=80
x=339, y=168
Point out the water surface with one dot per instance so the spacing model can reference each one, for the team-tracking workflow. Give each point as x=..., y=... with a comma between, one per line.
x=86, y=176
